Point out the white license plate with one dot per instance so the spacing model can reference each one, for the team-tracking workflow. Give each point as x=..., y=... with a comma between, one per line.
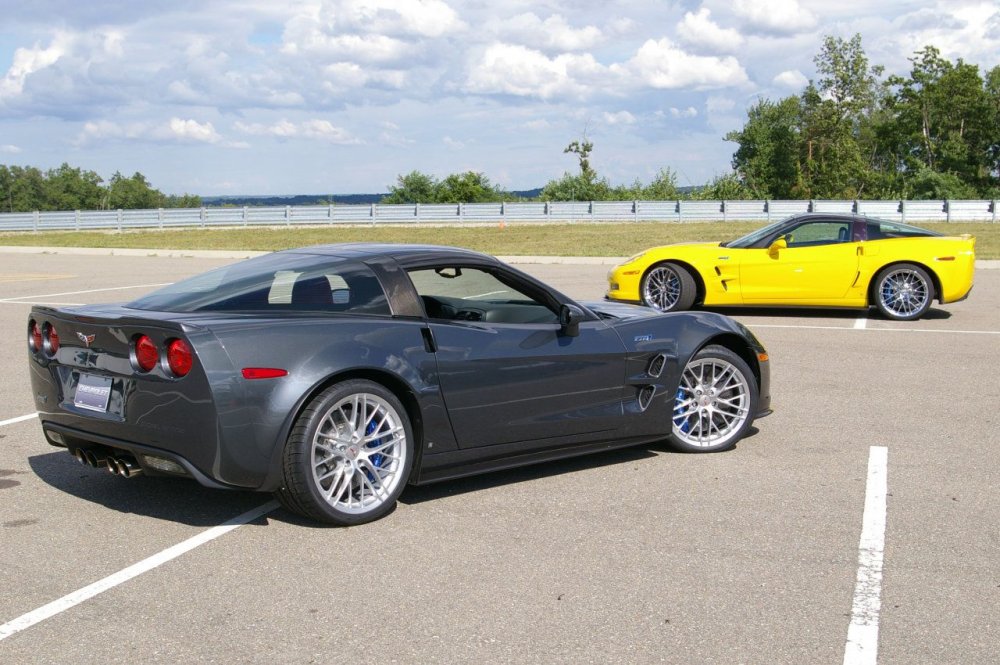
x=93, y=393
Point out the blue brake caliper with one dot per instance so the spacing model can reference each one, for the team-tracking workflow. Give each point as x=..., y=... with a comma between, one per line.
x=378, y=459
x=684, y=426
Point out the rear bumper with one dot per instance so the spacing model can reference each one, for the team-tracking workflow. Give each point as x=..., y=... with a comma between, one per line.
x=71, y=438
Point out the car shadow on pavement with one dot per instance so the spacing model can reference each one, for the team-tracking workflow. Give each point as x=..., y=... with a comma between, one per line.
x=538, y=471
x=819, y=313
x=174, y=499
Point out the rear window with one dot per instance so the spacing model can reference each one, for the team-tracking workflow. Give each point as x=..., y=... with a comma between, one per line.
x=880, y=229
x=276, y=282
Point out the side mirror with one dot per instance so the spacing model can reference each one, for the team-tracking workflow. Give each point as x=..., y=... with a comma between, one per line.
x=777, y=246
x=569, y=318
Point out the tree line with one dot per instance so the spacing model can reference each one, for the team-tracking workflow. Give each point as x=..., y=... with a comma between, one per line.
x=852, y=134
x=25, y=189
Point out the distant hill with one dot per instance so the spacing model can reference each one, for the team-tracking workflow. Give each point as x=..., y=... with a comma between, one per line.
x=320, y=199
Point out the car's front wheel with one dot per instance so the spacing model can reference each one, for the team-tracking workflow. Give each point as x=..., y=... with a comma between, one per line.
x=348, y=456
x=668, y=287
x=903, y=292
x=716, y=401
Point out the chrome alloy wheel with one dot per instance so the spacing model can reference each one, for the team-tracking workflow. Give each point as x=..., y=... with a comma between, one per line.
x=358, y=453
x=903, y=293
x=712, y=403
x=661, y=288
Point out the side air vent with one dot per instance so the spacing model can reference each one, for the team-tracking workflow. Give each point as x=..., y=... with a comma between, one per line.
x=656, y=365
x=646, y=396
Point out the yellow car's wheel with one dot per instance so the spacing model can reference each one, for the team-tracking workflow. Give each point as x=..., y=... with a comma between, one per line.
x=668, y=287
x=903, y=292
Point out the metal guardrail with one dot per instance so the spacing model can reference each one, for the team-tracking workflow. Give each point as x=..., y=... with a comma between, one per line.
x=477, y=213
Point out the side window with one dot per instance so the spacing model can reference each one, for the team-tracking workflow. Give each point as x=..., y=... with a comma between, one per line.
x=458, y=293
x=819, y=233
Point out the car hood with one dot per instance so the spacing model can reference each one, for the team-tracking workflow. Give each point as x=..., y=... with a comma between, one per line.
x=607, y=309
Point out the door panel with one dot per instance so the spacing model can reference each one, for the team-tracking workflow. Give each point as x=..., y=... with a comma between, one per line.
x=798, y=273
x=523, y=382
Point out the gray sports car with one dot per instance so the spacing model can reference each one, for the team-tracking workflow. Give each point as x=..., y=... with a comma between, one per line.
x=335, y=375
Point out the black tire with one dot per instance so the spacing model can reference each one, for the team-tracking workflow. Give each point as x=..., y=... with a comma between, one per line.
x=717, y=391
x=349, y=455
x=902, y=292
x=668, y=287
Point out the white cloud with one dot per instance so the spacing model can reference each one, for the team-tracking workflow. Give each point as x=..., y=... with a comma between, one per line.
x=793, y=79
x=175, y=130
x=321, y=130
x=554, y=33
x=619, y=118
x=516, y=70
x=189, y=130
x=700, y=31
x=661, y=64
x=453, y=144
x=9, y=149
x=777, y=17
x=689, y=112
x=27, y=61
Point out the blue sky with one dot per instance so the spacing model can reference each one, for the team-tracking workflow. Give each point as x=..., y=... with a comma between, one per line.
x=342, y=96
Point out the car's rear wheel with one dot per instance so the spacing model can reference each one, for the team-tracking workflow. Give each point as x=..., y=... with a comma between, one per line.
x=349, y=455
x=668, y=287
x=716, y=401
x=903, y=292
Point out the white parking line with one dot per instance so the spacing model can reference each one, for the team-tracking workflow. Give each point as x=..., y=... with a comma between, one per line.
x=18, y=419
x=73, y=293
x=66, y=602
x=861, y=323
x=874, y=330
x=862, y=633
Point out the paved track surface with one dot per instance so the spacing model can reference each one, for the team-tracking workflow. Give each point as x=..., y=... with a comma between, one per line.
x=641, y=555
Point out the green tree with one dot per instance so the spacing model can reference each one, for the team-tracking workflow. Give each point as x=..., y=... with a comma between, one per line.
x=134, y=193
x=68, y=188
x=414, y=187
x=468, y=187
x=767, y=159
x=663, y=187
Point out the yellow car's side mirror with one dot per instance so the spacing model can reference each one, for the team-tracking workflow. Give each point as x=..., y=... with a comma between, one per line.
x=777, y=246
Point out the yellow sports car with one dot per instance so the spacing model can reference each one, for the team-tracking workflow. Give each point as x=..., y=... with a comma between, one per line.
x=809, y=260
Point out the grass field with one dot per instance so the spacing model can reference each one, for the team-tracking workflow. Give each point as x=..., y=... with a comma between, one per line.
x=512, y=240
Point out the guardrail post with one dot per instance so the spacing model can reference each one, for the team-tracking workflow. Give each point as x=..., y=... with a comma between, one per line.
x=288, y=215
x=159, y=218
x=546, y=211
x=246, y=216
x=994, y=211
x=767, y=209
x=725, y=211
x=461, y=213
x=121, y=215
x=854, y=207
x=416, y=211
x=34, y=222
x=591, y=211
x=329, y=213
x=371, y=213
x=812, y=205
x=201, y=217
x=947, y=210
x=902, y=210
x=76, y=220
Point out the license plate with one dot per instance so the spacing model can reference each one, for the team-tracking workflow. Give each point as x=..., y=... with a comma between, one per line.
x=93, y=393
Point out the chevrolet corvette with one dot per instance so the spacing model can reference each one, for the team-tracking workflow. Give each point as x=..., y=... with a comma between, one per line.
x=335, y=375
x=810, y=260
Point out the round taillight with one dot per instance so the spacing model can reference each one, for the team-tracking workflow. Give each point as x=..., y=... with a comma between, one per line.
x=146, y=353
x=53, y=338
x=35, y=337
x=179, y=357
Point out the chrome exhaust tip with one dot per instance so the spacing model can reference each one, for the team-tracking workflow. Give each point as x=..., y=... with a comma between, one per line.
x=93, y=460
x=128, y=468
x=80, y=457
x=112, y=466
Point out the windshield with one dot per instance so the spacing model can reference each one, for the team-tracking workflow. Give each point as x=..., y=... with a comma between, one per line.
x=754, y=236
